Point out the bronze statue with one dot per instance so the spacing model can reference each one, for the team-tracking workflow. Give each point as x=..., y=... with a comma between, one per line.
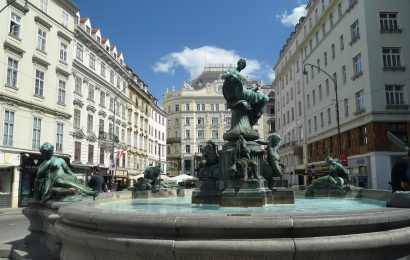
x=243, y=167
x=55, y=180
x=273, y=167
x=246, y=103
x=209, y=166
x=337, y=170
x=151, y=175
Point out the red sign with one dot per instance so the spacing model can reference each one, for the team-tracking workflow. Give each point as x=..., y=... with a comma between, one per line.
x=343, y=159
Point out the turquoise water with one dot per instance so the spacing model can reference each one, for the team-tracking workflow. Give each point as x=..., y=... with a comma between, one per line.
x=184, y=206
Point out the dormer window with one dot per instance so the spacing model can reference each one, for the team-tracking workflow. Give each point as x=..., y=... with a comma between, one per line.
x=87, y=29
x=115, y=55
x=98, y=39
x=107, y=48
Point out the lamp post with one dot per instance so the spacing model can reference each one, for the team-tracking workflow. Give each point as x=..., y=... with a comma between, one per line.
x=337, y=104
x=25, y=7
x=113, y=163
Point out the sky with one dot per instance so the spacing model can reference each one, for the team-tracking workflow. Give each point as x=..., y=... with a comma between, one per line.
x=168, y=42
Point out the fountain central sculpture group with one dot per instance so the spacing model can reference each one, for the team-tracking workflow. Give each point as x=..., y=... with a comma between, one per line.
x=235, y=176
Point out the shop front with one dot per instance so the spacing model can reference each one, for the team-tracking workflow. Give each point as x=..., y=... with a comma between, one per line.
x=359, y=172
x=29, y=167
x=121, y=180
x=6, y=182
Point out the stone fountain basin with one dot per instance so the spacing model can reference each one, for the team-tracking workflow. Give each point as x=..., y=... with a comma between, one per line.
x=89, y=232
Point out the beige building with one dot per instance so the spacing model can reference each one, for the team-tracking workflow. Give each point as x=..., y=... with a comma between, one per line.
x=35, y=103
x=197, y=113
x=361, y=46
x=114, y=114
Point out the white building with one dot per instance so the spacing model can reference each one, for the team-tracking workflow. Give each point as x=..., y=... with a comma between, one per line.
x=362, y=46
x=197, y=113
x=35, y=103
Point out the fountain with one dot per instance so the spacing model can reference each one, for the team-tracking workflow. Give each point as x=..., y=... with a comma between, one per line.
x=234, y=213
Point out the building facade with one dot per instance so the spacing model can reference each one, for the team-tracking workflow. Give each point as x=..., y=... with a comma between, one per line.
x=73, y=89
x=197, y=113
x=359, y=49
x=34, y=101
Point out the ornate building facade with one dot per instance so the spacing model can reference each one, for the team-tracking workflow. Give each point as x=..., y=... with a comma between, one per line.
x=197, y=113
x=343, y=70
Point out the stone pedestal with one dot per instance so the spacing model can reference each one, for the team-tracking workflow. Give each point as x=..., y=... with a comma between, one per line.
x=283, y=196
x=250, y=193
x=207, y=192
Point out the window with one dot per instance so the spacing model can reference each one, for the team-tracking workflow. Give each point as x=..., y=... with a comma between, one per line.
x=201, y=134
x=314, y=97
x=15, y=25
x=322, y=124
x=112, y=76
x=59, y=137
x=78, y=85
x=388, y=21
x=77, y=118
x=12, y=69
x=103, y=69
x=44, y=5
x=63, y=52
x=329, y=117
x=315, y=123
x=187, y=121
x=111, y=103
x=176, y=107
x=90, y=154
x=394, y=94
x=354, y=29
x=331, y=20
x=201, y=120
x=339, y=10
x=323, y=29
x=333, y=51
x=342, y=43
x=325, y=58
x=318, y=65
x=360, y=101
x=118, y=82
x=357, y=65
x=64, y=18
x=214, y=121
x=293, y=113
x=327, y=87
x=102, y=155
x=344, y=74
x=228, y=118
x=39, y=83
x=102, y=98
x=320, y=92
x=215, y=134
x=177, y=121
x=87, y=29
x=203, y=107
x=391, y=57
x=308, y=101
x=187, y=107
x=90, y=123
x=309, y=126
x=346, y=105
x=79, y=52
x=363, y=135
x=41, y=39
x=61, y=92
x=8, y=128
x=90, y=92
x=77, y=151
x=300, y=108
x=92, y=60
x=101, y=126
x=36, y=133
x=399, y=130
x=187, y=134
x=187, y=148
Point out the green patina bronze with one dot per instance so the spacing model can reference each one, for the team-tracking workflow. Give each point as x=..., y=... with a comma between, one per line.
x=245, y=102
x=242, y=167
x=209, y=167
x=56, y=181
x=334, y=184
x=272, y=167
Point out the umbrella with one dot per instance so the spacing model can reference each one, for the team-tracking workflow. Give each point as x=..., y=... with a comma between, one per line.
x=184, y=177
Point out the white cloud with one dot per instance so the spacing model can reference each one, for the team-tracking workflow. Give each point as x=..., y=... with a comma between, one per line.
x=293, y=18
x=193, y=61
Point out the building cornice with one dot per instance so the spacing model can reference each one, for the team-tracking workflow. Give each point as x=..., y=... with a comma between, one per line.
x=21, y=103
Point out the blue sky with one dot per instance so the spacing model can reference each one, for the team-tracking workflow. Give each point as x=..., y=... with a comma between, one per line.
x=167, y=42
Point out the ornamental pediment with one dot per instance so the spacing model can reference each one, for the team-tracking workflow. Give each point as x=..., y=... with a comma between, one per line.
x=102, y=113
x=91, y=108
x=111, y=117
x=78, y=133
x=91, y=137
x=78, y=102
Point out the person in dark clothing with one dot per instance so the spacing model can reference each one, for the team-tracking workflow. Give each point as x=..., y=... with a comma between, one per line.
x=97, y=182
x=400, y=175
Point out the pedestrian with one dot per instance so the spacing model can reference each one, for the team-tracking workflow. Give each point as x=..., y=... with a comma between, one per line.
x=97, y=182
x=400, y=175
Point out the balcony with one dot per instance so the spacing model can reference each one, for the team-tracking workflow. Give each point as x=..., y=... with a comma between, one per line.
x=173, y=140
x=107, y=137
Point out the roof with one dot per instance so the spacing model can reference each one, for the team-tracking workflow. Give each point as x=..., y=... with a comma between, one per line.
x=94, y=30
x=83, y=20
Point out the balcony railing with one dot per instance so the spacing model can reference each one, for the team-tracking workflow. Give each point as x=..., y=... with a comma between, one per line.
x=104, y=136
x=173, y=140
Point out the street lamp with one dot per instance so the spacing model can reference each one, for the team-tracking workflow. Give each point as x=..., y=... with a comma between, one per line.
x=337, y=103
x=25, y=7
